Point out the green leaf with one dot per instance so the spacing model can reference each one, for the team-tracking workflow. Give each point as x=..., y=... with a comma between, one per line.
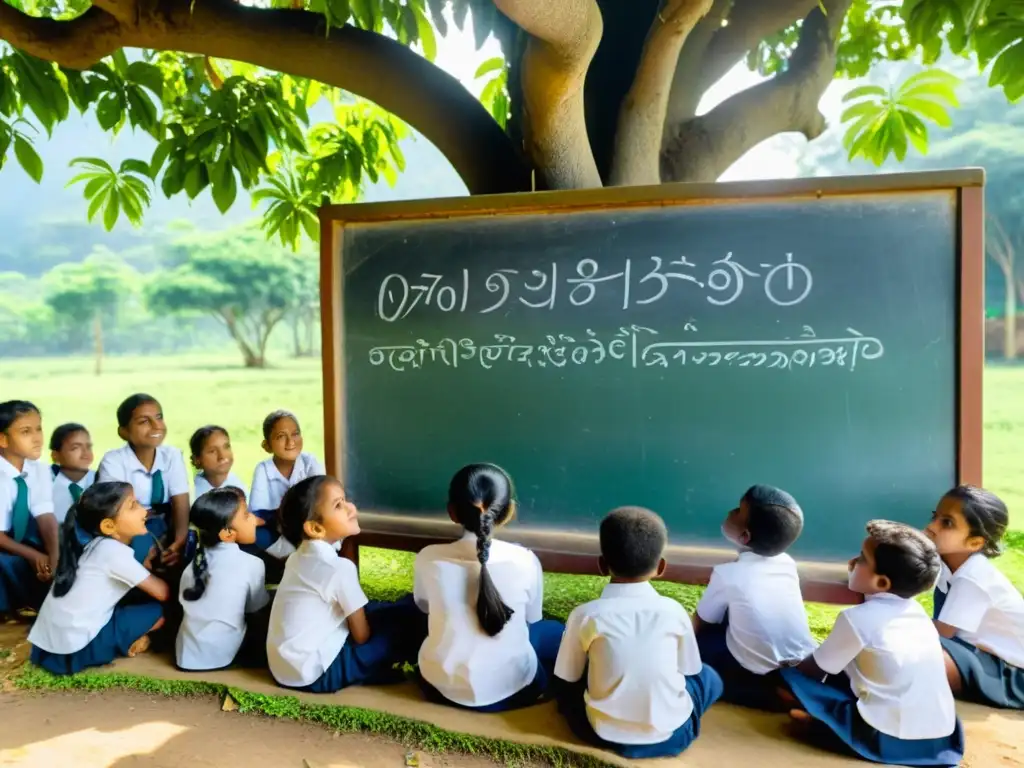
x=163, y=149
x=437, y=14
x=92, y=162
x=134, y=166
x=109, y=111
x=148, y=76
x=425, y=33
x=224, y=188
x=141, y=110
x=494, y=64
x=97, y=203
x=929, y=109
x=94, y=186
x=865, y=90
x=28, y=158
x=113, y=209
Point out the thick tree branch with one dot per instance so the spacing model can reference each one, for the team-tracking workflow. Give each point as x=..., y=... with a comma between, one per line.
x=564, y=34
x=702, y=148
x=370, y=65
x=642, y=116
x=686, y=92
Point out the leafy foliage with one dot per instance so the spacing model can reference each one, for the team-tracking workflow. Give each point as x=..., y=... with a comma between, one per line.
x=126, y=189
x=495, y=93
x=884, y=122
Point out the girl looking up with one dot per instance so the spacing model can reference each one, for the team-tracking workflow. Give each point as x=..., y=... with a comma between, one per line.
x=82, y=622
x=491, y=652
x=222, y=588
x=978, y=612
x=324, y=634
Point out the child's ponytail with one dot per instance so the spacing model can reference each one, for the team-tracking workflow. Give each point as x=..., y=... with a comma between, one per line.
x=70, y=550
x=490, y=609
x=481, y=497
x=99, y=502
x=211, y=514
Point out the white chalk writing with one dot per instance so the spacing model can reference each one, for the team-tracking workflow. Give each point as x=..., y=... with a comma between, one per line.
x=637, y=347
x=638, y=282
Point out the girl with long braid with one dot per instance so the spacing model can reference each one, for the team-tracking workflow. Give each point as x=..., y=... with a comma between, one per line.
x=493, y=652
x=223, y=591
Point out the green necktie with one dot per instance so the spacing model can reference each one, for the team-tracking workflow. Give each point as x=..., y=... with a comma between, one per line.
x=76, y=491
x=157, y=496
x=20, y=515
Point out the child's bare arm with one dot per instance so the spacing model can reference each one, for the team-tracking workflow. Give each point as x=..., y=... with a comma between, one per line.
x=156, y=588
x=34, y=556
x=358, y=626
x=49, y=532
x=945, y=630
x=179, y=510
x=698, y=622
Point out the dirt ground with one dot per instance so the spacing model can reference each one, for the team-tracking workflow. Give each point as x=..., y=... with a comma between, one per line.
x=118, y=729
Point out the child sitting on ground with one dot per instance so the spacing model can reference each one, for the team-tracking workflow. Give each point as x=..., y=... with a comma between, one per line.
x=488, y=647
x=223, y=591
x=156, y=472
x=978, y=611
x=71, y=454
x=287, y=466
x=877, y=686
x=631, y=675
x=82, y=622
x=324, y=635
x=213, y=458
x=28, y=527
x=751, y=619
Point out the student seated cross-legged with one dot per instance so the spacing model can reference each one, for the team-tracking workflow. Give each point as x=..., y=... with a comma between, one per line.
x=751, y=619
x=324, y=634
x=631, y=676
x=83, y=621
x=877, y=687
x=978, y=611
x=488, y=647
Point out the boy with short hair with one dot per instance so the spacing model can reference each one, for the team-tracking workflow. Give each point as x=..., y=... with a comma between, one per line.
x=28, y=528
x=751, y=620
x=155, y=471
x=629, y=671
x=72, y=457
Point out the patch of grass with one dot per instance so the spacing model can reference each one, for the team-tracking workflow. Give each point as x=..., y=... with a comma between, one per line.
x=409, y=732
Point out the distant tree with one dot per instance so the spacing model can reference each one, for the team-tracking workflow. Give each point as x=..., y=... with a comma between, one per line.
x=304, y=316
x=247, y=283
x=89, y=294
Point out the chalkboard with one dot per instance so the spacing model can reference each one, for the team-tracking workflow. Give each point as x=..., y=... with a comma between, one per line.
x=666, y=354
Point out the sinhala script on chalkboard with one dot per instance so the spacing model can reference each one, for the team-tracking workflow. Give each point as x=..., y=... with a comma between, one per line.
x=784, y=285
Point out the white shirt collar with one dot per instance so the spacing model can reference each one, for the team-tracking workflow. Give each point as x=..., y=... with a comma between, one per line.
x=883, y=596
x=319, y=548
x=636, y=590
x=135, y=464
x=8, y=469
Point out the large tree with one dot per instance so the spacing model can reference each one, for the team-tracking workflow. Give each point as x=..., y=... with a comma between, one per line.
x=590, y=92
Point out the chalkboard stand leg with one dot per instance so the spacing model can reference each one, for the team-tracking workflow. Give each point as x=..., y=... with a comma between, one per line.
x=350, y=550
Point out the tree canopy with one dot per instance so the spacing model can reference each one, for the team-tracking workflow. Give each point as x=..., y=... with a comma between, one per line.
x=587, y=92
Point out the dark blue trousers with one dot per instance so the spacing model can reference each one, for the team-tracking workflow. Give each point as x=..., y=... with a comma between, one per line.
x=545, y=637
x=396, y=632
x=741, y=686
x=704, y=688
x=19, y=585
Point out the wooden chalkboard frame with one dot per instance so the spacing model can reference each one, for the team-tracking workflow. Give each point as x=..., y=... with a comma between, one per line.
x=575, y=553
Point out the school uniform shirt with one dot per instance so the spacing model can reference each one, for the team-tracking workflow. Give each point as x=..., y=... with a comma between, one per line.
x=107, y=571
x=308, y=626
x=767, y=621
x=890, y=650
x=464, y=663
x=39, y=480
x=986, y=609
x=231, y=481
x=121, y=464
x=640, y=647
x=269, y=485
x=282, y=548
x=62, y=498
x=213, y=626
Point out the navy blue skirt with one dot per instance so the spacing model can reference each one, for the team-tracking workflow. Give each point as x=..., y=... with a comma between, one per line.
x=986, y=679
x=545, y=637
x=704, y=688
x=156, y=525
x=742, y=687
x=19, y=585
x=840, y=728
x=128, y=624
x=396, y=632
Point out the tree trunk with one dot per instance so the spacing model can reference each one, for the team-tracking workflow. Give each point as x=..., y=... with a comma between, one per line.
x=97, y=338
x=296, y=320
x=1010, y=321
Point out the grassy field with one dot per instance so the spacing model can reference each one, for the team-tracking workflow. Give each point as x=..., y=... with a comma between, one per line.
x=201, y=389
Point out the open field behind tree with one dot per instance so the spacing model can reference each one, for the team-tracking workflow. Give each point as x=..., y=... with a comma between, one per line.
x=201, y=389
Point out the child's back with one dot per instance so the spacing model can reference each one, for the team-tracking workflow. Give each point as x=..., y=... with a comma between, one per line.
x=640, y=647
x=458, y=657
